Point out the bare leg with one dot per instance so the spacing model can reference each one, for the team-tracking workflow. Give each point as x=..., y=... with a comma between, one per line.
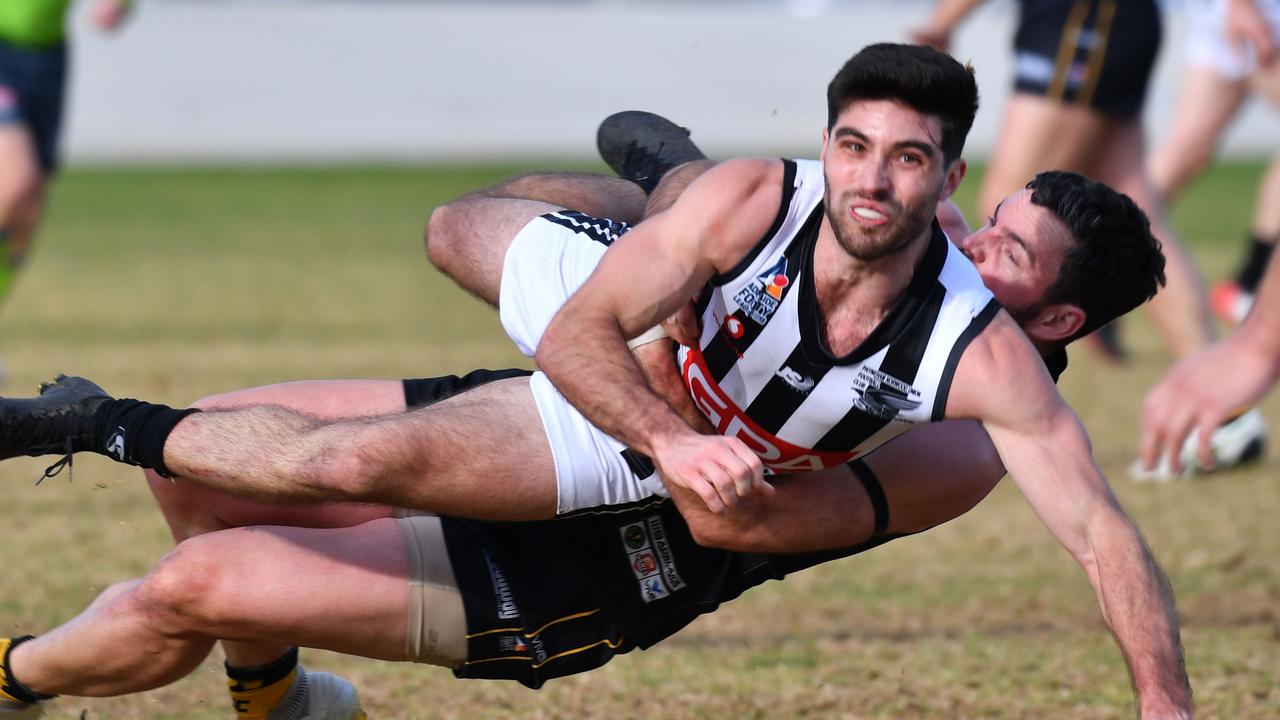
x=344, y=590
x=1206, y=105
x=439, y=458
x=1266, y=212
x=1039, y=134
x=468, y=238
x=1180, y=310
x=22, y=189
x=191, y=509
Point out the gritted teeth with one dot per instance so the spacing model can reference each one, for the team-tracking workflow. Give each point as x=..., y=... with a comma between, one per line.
x=868, y=213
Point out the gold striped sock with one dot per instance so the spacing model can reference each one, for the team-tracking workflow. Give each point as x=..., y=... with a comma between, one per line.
x=254, y=701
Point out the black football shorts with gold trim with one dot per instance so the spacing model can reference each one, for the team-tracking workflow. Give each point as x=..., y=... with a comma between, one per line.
x=1094, y=53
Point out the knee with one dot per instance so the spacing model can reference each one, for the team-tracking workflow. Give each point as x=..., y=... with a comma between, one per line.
x=186, y=592
x=441, y=237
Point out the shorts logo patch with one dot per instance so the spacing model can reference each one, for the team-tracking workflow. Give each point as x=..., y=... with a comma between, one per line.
x=666, y=560
x=652, y=562
x=644, y=564
x=652, y=589
x=633, y=536
x=507, y=609
x=512, y=643
x=760, y=298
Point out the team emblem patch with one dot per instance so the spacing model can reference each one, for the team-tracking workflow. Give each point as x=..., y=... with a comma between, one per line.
x=759, y=300
x=883, y=395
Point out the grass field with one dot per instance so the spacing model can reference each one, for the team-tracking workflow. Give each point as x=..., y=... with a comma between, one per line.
x=173, y=284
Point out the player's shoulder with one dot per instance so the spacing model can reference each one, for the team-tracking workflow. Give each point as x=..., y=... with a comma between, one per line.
x=749, y=176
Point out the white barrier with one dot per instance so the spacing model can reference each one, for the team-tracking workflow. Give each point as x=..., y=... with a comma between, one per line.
x=323, y=80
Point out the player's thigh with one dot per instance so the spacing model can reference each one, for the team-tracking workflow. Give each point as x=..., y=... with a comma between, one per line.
x=321, y=399
x=1267, y=83
x=481, y=453
x=193, y=509
x=20, y=177
x=1206, y=104
x=468, y=239
x=1040, y=134
x=345, y=590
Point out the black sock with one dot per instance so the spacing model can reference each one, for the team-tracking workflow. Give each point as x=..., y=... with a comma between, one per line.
x=1255, y=264
x=263, y=675
x=11, y=686
x=134, y=432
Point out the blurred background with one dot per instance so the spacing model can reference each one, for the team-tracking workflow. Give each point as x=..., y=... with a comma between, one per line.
x=410, y=81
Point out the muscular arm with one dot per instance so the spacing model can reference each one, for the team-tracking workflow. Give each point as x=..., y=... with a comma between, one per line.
x=1203, y=391
x=929, y=476
x=1001, y=381
x=709, y=228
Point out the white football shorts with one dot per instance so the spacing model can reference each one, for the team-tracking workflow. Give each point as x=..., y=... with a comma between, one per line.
x=547, y=261
x=1207, y=44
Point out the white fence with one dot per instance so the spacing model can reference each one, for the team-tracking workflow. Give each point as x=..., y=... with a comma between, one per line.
x=323, y=80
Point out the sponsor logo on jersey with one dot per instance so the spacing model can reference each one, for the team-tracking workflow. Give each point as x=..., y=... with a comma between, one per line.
x=733, y=327
x=800, y=383
x=633, y=536
x=883, y=395
x=644, y=564
x=507, y=609
x=760, y=298
x=722, y=412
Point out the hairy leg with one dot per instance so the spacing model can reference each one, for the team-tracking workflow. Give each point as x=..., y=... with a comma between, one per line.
x=1181, y=309
x=440, y=458
x=468, y=238
x=1207, y=103
x=1039, y=134
x=344, y=590
x=192, y=509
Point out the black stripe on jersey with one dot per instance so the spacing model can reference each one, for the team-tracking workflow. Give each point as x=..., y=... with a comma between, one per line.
x=901, y=361
x=976, y=326
x=899, y=319
x=602, y=230
x=785, y=391
x=788, y=191
x=723, y=351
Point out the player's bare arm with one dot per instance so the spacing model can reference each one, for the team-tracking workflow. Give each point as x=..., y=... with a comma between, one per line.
x=1001, y=381
x=929, y=476
x=649, y=273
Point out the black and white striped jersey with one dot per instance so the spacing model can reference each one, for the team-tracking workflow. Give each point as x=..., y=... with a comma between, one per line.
x=762, y=372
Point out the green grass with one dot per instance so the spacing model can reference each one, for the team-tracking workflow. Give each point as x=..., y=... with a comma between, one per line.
x=173, y=284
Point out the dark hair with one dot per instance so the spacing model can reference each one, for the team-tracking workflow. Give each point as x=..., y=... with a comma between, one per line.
x=1115, y=264
x=923, y=78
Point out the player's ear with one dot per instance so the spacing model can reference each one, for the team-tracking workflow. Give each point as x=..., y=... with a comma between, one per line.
x=1055, y=323
x=955, y=173
x=826, y=135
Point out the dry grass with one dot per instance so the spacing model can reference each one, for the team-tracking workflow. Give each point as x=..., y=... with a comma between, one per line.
x=171, y=285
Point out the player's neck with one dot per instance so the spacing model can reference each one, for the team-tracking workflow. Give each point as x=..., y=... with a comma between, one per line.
x=854, y=295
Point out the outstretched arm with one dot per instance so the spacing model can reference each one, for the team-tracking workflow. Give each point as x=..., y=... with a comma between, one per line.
x=709, y=228
x=1203, y=391
x=1001, y=381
